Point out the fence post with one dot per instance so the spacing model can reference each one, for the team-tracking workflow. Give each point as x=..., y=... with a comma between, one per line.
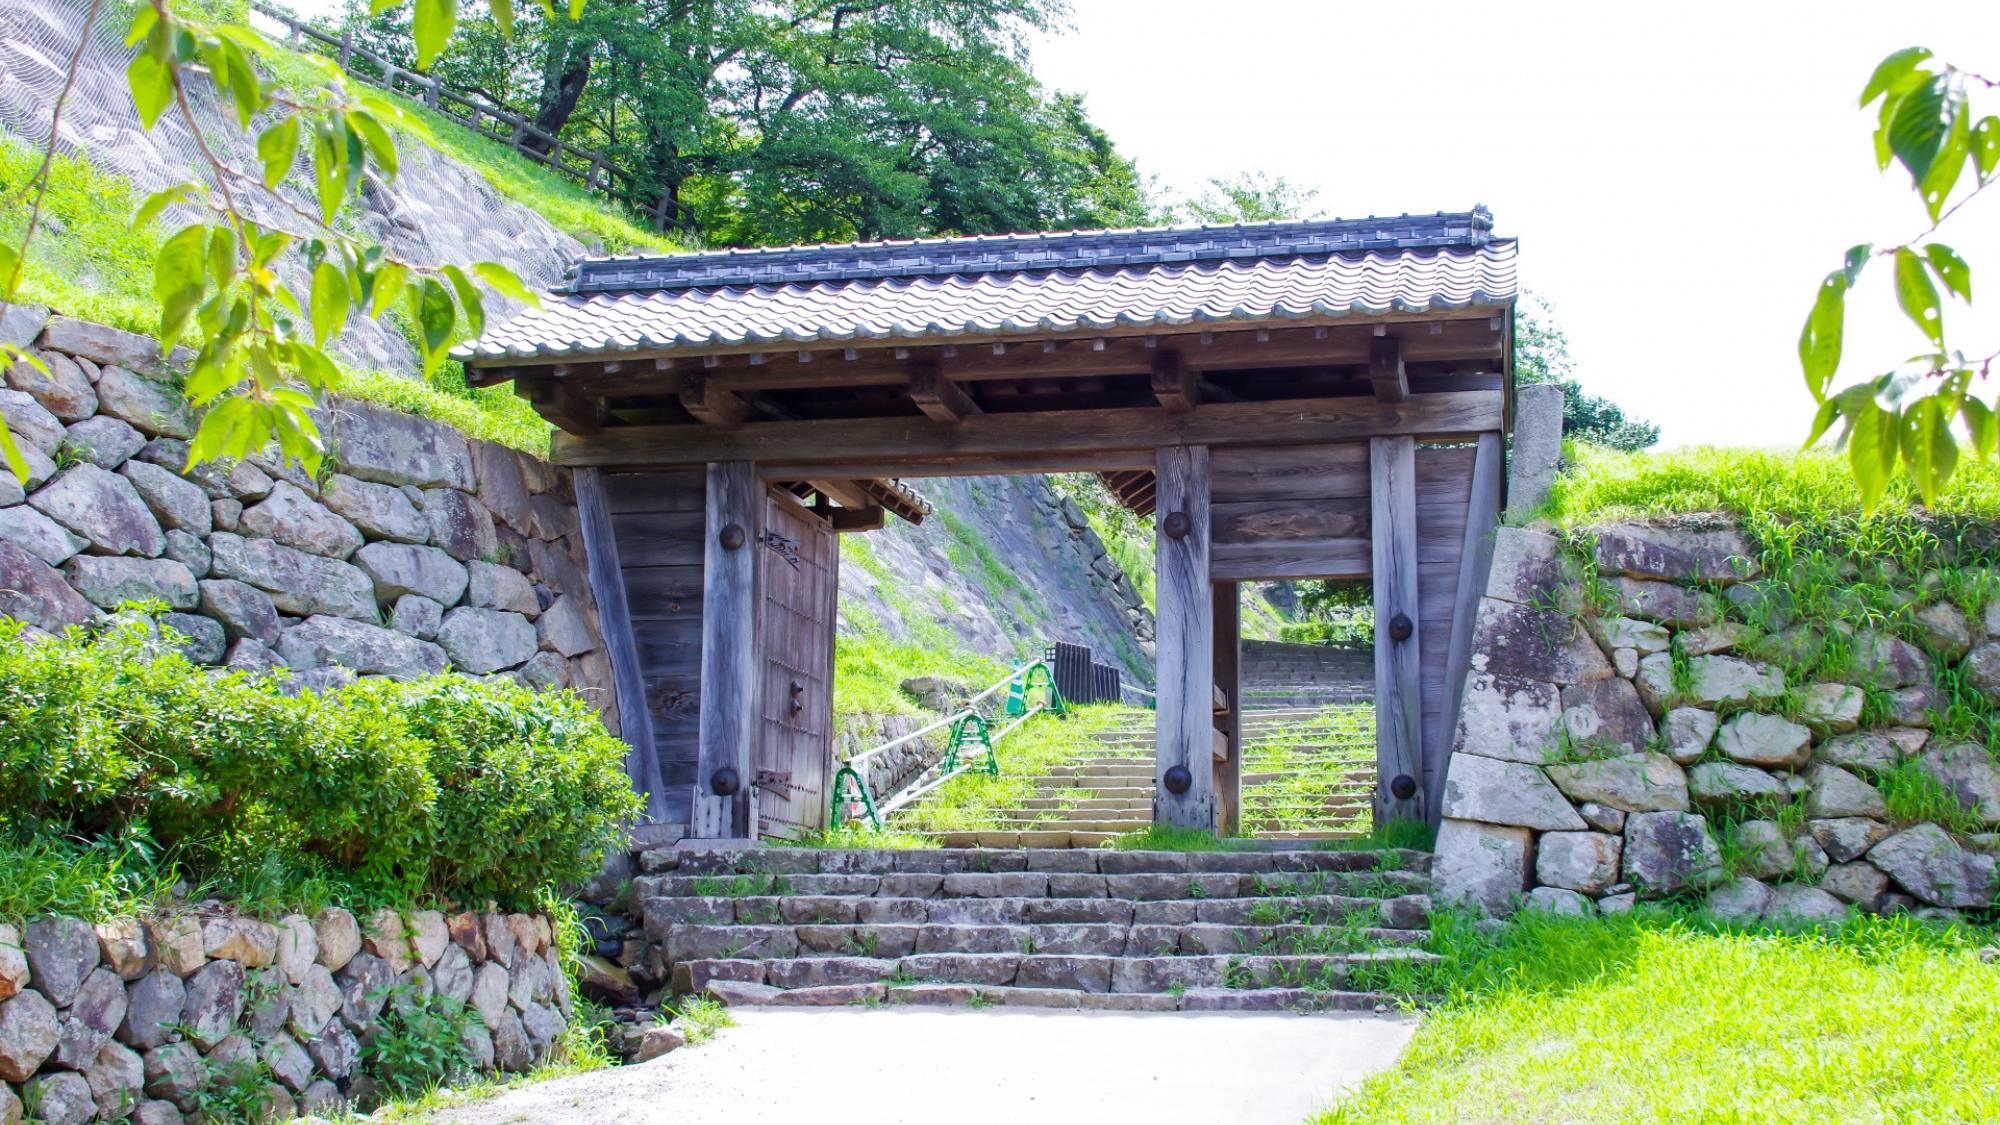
x=431, y=94
x=346, y=48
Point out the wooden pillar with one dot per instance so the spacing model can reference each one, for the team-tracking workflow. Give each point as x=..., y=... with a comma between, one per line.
x=607, y=585
x=1392, y=491
x=1229, y=723
x=1475, y=560
x=1185, y=732
x=728, y=653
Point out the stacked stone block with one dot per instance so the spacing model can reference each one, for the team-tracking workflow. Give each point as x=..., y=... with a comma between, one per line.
x=1590, y=771
x=133, y=1019
x=418, y=550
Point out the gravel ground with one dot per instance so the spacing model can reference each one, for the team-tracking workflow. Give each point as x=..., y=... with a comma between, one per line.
x=886, y=1066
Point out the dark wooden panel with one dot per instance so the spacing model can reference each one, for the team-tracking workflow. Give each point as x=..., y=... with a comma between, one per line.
x=660, y=538
x=670, y=648
x=1308, y=472
x=663, y=593
x=1444, y=474
x=1184, y=723
x=1327, y=558
x=627, y=493
x=1266, y=521
x=797, y=606
x=608, y=588
x=1228, y=667
x=1292, y=422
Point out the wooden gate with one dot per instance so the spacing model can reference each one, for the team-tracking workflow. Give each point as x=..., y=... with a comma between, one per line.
x=799, y=579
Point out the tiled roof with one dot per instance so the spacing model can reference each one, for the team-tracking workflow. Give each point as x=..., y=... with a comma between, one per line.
x=1001, y=285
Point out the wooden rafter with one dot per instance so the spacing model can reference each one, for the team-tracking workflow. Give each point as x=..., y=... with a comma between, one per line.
x=937, y=396
x=1385, y=369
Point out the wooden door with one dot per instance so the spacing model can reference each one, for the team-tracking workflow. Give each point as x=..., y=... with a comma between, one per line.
x=799, y=580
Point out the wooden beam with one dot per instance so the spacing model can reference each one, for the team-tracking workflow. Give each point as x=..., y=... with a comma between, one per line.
x=847, y=492
x=1043, y=435
x=729, y=656
x=1385, y=369
x=1176, y=385
x=614, y=618
x=1392, y=466
x=1184, y=724
x=857, y=519
x=710, y=403
x=982, y=466
x=1475, y=559
x=1228, y=664
x=563, y=408
x=938, y=397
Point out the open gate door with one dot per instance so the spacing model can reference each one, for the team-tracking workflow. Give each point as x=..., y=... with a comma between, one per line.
x=799, y=580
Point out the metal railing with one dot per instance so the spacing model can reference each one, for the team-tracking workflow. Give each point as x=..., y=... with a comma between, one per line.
x=855, y=799
x=596, y=171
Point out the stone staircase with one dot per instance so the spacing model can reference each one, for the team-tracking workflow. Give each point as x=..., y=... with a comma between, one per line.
x=1308, y=775
x=1045, y=928
x=1276, y=674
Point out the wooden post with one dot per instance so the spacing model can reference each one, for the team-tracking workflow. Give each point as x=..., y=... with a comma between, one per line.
x=1185, y=731
x=1228, y=649
x=728, y=653
x=607, y=585
x=1392, y=489
x=346, y=48
x=1475, y=559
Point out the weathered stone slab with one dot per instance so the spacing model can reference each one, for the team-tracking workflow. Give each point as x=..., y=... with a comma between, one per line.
x=151, y=406
x=1507, y=717
x=1486, y=865
x=299, y=583
x=103, y=441
x=1499, y=792
x=1883, y=661
x=1795, y=906
x=1578, y=861
x=1739, y=902
x=103, y=508
x=1969, y=771
x=568, y=627
x=1668, y=852
x=1765, y=740
x=1526, y=566
x=1686, y=732
x=1643, y=782
x=486, y=640
x=1722, y=785
x=1925, y=861
x=1833, y=793
x=296, y=520
x=1675, y=554
x=1535, y=644
x=1607, y=714
x=107, y=581
x=390, y=447
x=176, y=502
x=101, y=344
x=365, y=649
x=460, y=526
x=1730, y=679
x=1642, y=637
x=400, y=568
x=1663, y=602
x=62, y=389
x=493, y=586
x=39, y=535
x=32, y=591
x=1847, y=838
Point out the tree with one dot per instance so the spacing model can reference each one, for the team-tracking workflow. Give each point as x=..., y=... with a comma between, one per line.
x=1906, y=416
x=802, y=121
x=1247, y=197
x=1541, y=356
x=260, y=364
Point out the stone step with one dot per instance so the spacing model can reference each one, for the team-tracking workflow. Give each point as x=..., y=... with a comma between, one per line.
x=994, y=838
x=1086, y=973
x=735, y=994
x=1137, y=885
x=1407, y=911
x=755, y=860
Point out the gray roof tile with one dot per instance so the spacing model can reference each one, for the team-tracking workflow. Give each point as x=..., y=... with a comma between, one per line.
x=1003, y=284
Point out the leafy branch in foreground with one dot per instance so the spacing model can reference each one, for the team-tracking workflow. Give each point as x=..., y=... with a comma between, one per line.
x=1925, y=122
x=261, y=364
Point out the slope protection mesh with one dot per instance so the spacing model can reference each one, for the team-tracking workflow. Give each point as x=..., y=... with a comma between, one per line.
x=436, y=211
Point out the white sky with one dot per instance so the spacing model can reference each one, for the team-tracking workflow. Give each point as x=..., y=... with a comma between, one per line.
x=1680, y=176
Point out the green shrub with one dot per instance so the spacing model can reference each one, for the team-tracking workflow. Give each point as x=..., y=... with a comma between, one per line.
x=445, y=787
x=416, y=1045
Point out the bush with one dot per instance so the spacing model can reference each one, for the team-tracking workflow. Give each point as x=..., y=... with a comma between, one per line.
x=445, y=787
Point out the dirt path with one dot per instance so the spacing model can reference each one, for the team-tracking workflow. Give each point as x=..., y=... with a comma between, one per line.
x=974, y=1068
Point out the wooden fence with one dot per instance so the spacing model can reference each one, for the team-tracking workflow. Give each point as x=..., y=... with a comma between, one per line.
x=594, y=170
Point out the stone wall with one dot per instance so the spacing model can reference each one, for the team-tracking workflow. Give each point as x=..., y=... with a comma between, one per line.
x=417, y=549
x=138, y=1019
x=1628, y=733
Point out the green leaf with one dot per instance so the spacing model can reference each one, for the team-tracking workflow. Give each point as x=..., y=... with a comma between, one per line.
x=575, y=10
x=1951, y=269
x=239, y=77
x=222, y=259
x=387, y=286
x=1820, y=340
x=435, y=316
x=1823, y=420
x=1936, y=185
x=11, y=453
x=1871, y=451
x=152, y=84
x=432, y=27
x=329, y=302
x=1889, y=70
x=180, y=277
x=329, y=171
x=1923, y=117
x=468, y=299
x=1981, y=426
x=503, y=14
x=1918, y=297
x=144, y=20
x=10, y=271
x=159, y=201
x=506, y=283
x=277, y=148
x=380, y=144
x=1928, y=446
x=1986, y=146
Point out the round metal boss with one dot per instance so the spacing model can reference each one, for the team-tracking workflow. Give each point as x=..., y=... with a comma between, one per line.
x=1399, y=628
x=1177, y=525
x=1403, y=787
x=732, y=537
x=725, y=782
x=1178, y=779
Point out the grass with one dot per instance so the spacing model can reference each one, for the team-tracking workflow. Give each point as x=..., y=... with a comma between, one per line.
x=1663, y=1017
x=972, y=801
x=1312, y=759
x=870, y=663
x=86, y=259
x=860, y=835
